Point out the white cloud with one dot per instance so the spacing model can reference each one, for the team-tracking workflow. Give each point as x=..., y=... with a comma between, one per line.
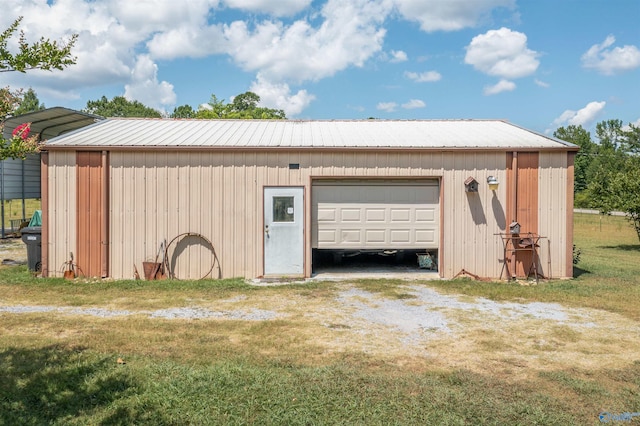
x=414, y=104
x=503, y=53
x=188, y=41
x=349, y=35
x=120, y=39
x=101, y=41
x=145, y=88
x=398, y=56
x=541, y=83
x=582, y=117
x=448, y=15
x=501, y=86
x=278, y=95
x=611, y=61
x=272, y=7
x=145, y=17
x=424, y=77
x=387, y=106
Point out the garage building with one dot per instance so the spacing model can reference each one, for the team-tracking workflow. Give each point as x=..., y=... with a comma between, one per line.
x=260, y=198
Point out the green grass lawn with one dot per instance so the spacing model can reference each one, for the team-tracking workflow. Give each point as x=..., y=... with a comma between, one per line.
x=59, y=370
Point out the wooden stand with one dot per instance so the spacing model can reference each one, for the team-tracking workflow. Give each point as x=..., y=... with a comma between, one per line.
x=517, y=243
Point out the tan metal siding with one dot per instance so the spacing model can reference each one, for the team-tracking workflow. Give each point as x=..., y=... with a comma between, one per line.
x=62, y=210
x=471, y=220
x=553, y=222
x=44, y=184
x=158, y=195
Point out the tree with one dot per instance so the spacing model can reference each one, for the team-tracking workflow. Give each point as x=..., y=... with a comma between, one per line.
x=619, y=190
x=245, y=102
x=29, y=103
x=119, y=106
x=183, y=111
x=579, y=136
x=213, y=109
x=616, y=182
x=631, y=140
x=243, y=107
x=43, y=54
x=609, y=133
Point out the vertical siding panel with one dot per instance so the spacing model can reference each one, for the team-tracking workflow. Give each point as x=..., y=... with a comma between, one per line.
x=229, y=212
x=130, y=233
x=553, y=213
x=195, y=212
x=138, y=239
x=54, y=213
x=151, y=189
x=527, y=198
x=115, y=214
x=498, y=211
x=62, y=195
x=262, y=174
x=253, y=201
x=90, y=213
x=182, y=216
x=527, y=203
x=448, y=257
x=217, y=189
x=205, y=201
x=164, y=200
x=476, y=218
x=240, y=218
x=174, y=226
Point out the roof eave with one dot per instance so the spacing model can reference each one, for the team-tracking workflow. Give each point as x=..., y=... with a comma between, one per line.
x=568, y=147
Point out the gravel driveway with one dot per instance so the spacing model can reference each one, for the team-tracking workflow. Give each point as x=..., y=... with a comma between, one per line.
x=451, y=330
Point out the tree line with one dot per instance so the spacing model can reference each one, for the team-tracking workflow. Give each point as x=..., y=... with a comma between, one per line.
x=607, y=171
x=244, y=106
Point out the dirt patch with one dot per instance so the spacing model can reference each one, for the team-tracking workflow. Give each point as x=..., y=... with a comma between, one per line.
x=511, y=339
x=13, y=251
x=481, y=334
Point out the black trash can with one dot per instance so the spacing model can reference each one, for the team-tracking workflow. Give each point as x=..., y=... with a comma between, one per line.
x=32, y=237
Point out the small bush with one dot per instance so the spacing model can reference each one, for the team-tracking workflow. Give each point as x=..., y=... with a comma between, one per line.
x=576, y=255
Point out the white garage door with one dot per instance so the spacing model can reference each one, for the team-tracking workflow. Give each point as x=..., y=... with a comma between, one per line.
x=370, y=214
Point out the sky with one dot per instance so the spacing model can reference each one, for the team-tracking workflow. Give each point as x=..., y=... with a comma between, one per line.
x=540, y=64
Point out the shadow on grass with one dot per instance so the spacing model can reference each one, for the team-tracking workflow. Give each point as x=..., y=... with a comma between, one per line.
x=623, y=247
x=579, y=271
x=50, y=384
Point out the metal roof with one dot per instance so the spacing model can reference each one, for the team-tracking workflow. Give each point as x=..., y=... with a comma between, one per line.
x=236, y=134
x=50, y=122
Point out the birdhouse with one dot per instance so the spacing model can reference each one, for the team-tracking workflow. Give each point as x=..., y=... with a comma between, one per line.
x=471, y=185
x=514, y=228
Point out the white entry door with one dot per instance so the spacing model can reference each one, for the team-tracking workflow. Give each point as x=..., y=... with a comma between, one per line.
x=283, y=231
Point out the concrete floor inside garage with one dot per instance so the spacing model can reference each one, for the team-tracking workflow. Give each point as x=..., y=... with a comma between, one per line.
x=328, y=264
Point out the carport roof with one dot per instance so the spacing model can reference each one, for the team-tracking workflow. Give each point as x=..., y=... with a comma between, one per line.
x=121, y=133
x=50, y=122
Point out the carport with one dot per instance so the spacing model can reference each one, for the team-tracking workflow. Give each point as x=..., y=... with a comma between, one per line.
x=20, y=179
